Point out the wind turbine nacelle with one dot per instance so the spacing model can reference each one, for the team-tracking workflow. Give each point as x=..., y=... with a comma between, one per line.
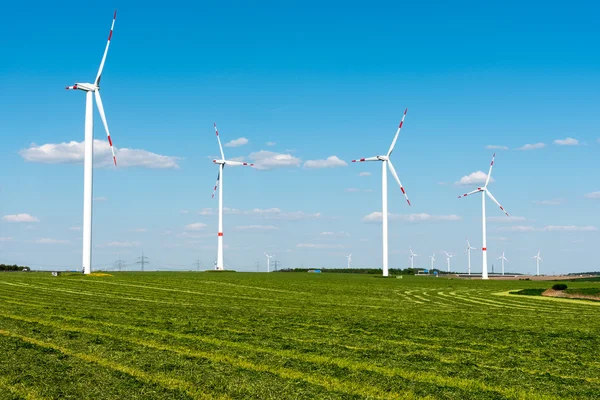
x=86, y=87
x=383, y=158
x=219, y=161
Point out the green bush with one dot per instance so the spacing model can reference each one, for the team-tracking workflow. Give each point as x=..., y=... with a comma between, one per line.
x=559, y=286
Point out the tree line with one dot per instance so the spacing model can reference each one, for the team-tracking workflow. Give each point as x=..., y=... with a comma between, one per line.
x=5, y=267
x=365, y=271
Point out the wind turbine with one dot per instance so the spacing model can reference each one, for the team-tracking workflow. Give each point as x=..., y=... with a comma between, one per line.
x=92, y=90
x=221, y=163
x=385, y=161
x=468, y=251
x=349, y=257
x=503, y=259
x=269, y=262
x=412, y=258
x=432, y=260
x=448, y=257
x=485, y=191
x=537, y=262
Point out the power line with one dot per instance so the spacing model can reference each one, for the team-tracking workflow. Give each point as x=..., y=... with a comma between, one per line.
x=197, y=264
x=143, y=261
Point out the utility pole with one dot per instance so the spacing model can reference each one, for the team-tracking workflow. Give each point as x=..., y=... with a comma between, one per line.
x=276, y=264
x=119, y=264
x=197, y=264
x=257, y=266
x=143, y=261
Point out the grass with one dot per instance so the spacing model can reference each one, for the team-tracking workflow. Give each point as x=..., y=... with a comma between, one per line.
x=290, y=336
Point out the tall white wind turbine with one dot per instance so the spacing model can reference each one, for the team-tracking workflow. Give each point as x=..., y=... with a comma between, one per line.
x=432, y=257
x=269, y=262
x=222, y=163
x=92, y=90
x=468, y=252
x=349, y=257
x=537, y=262
x=385, y=161
x=412, y=258
x=485, y=191
x=448, y=257
x=503, y=259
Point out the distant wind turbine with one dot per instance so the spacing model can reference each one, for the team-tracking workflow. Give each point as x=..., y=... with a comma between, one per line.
x=485, y=191
x=432, y=260
x=448, y=257
x=92, y=90
x=537, y=262
x=349, y=257
x=221, y=163
x=412, y=258
x=503, y=259
x=468, y=251
x=269, y=262
x=385, y=161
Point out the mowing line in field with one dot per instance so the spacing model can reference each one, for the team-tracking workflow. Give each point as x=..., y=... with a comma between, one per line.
x=331, y=383
x=548, y=298
x=173, y=384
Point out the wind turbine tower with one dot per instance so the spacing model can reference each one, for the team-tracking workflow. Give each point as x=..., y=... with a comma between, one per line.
x=222, y=163
x=385, y=162
x=92, y=90
x=485, y=191
x=412, y=258
x=502, y=258
x=349, y=257
x=468, y=252
x=537, y=262
x=432, y=257
x=269, y=262
x=448, y=257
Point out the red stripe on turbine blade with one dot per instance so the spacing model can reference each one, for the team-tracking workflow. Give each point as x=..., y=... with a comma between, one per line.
x=401, y=188
x=245, y=163
x=109, y=141
x=115, y=16
x=252, y=165
x=400, y=126
x=220, y=233
x=408, y=201
x=115, y=160
x=362, y=159
x=110, y=35
x=501, y=208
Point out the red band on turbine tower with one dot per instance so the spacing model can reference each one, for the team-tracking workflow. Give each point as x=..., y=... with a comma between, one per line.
x=220, y=233
x=484, y=249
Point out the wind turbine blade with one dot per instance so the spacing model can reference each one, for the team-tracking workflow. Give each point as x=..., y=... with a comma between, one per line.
x=496, y=201
x=103, y=117
x=395, y=175
x=237, y=163
x=216, y=184
x=397, y=134
x=506, y=259
x=367, y=159
x=490, y=173
x=472, y=192
x=99, y=76
x=219, y=140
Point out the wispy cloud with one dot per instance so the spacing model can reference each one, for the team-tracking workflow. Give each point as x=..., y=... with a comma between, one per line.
x=124, y=244
x=206, y=212
x=51, y=241
x=237, y=142
x=256, y=228
x=271, y=143
x=276, y=213
x=533, y=146
x=5, y=239
x=75, y=228
x=474, y=178
x=496, y=147
x=506, y=219
x=569, y=228
x=377, y=217
x=553, y=202
x=329, y=162
x=593, y=195
x=138, y=230
x=20, y=218
x=365, y=174
x=517, y=228
x=195, y=226
x=101, y=198
x=319, y=246
x=72, y=153
x=264, y=160
x=566, y=142
x=328, y=234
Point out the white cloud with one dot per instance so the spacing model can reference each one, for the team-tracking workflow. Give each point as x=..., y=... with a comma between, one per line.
x=569, y=228
x=256, y=228
x=593, y=195
x=553, y=202
x=276, y=213
x=100, y=198
x=51, y=241
x=567, y=142
x=517, y=228
x=319, y=246
x=330, y=162
x=473, y=178
x=495, y=147
x=334, y=234
x=72, y=153
x=183, y=212
x=75, y=228
x=138, y=230
x=365, y=174
x=195, y=226
x=271, y=143
x=237, y=142
x=5, y=239
x=506, y=219
x=227, y=210
x=533, y=146
x=20, y=218
x=268, y=160
x=125, y=244
x=205, y=212
x=377, y=217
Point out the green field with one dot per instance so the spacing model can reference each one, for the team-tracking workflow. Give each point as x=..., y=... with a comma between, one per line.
x=291, y=336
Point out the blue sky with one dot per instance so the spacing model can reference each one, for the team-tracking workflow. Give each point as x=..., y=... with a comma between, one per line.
x=303, y=81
